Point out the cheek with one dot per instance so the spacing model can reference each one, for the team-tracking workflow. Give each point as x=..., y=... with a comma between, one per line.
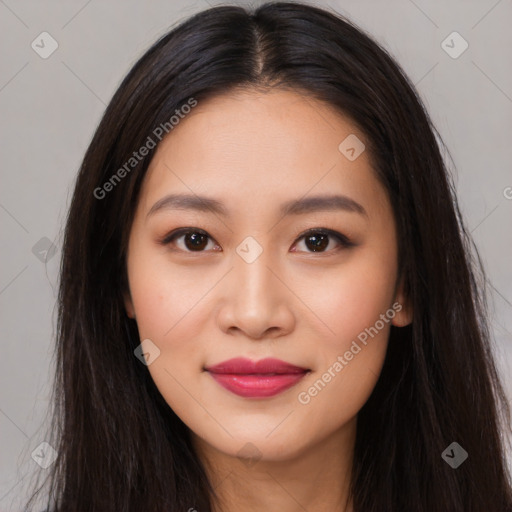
x=163, y=296
x=354, y=297
x=357, y=307
x=167, y=304
x=171, y=305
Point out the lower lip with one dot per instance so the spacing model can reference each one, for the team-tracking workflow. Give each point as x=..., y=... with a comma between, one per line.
x=257, y=386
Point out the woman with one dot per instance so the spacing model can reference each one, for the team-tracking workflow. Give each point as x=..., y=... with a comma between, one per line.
x=267, y=297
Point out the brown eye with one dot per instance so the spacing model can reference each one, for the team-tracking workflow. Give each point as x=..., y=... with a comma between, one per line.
x=188, y=239
x=196, y=241
x=319, y=240
x=315, y=240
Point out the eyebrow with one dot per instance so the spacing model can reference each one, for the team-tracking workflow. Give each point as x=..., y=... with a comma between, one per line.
x=292, y=207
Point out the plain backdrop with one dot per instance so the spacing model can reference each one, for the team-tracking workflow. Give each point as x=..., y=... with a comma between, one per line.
x=51, y=106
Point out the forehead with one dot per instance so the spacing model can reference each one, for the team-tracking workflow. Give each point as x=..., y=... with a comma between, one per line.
x=259, y=147
x=243, y=123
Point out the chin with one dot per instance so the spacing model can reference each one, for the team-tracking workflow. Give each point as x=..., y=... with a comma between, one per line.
x=258, y=447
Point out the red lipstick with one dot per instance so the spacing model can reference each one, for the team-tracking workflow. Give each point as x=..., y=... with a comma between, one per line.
x=256, y=379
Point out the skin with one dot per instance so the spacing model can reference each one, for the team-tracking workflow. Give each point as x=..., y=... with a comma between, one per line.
x=252, y=151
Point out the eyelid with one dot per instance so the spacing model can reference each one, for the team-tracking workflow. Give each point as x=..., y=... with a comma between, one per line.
x=342, y=239
x=167, y=239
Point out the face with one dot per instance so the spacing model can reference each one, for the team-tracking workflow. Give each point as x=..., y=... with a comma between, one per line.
x=295, y=260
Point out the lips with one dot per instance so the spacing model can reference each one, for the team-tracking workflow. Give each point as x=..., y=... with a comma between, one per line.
x=256, y=379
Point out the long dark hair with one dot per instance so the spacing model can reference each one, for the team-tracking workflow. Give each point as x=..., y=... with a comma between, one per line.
x=121, y=447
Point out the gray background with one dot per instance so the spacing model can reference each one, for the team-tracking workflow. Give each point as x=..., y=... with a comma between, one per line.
x=50, y=108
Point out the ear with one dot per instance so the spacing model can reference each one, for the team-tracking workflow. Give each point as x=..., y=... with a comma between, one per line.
x=128, y=305
x=402, y=307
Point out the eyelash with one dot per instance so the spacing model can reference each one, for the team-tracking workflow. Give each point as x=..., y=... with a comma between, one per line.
x=344, y=241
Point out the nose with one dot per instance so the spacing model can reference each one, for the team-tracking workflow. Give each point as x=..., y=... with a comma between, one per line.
x=255, y=301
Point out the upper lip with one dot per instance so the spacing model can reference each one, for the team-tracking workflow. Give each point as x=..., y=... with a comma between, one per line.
x=241, y=365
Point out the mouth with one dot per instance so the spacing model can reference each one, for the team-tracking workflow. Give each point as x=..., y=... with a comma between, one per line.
x=256, y=379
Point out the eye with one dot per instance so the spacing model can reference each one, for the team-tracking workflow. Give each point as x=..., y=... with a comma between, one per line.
x=319, y=240
x=194, y=239
x=316, y=240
